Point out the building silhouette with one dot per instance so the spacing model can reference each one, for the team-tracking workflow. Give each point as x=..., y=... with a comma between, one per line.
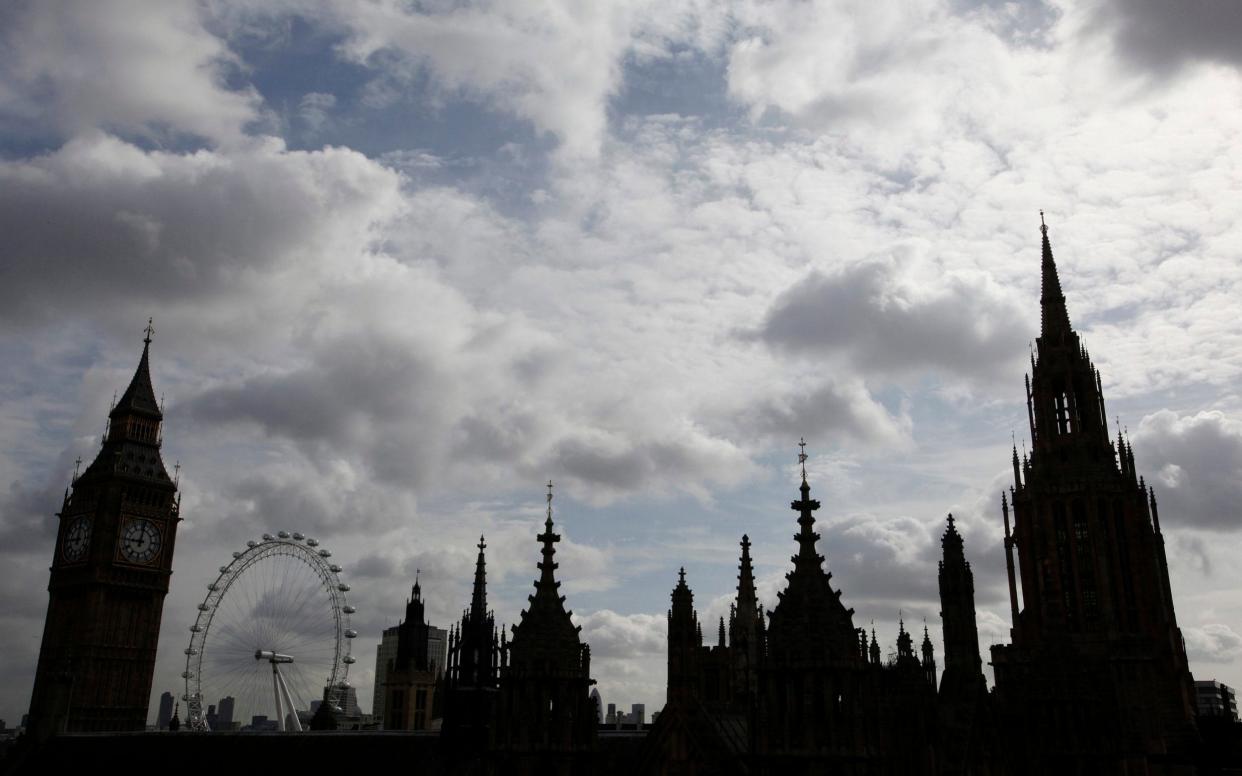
x=110, y=573
x=1216, y=699
x=547, y=721
x=805, y=693
x=166, y=711
x=224, y=713
x=411, y=676
x=385, y=652
x=471, y=684
x=1096, y=678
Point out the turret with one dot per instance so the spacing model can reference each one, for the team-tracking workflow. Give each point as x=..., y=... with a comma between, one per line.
x=929, y=659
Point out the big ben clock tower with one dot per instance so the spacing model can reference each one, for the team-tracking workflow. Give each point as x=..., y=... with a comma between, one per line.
x=110, y=572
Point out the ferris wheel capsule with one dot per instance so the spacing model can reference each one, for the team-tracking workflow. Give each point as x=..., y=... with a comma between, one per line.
x=283, y=534
x=348, y=609
x=298, y=536
x=268, y=537
x=325, y=554
x=236, y=555
x=349, y=660
x=226, y=568
x=252, y=544
x=335, y=568
x=350, y=633
x=344, y=588
x=312, y=542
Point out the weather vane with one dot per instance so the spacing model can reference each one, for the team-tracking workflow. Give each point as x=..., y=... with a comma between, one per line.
x=802, y=456
x=149, y=330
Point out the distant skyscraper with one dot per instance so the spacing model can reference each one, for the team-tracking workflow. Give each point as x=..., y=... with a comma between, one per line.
x=599, y=704
x=224, y=712
x=611, y=717
x=1216, y=699
x=166, y=709
x=384, y=655
x=437, y=648
x=638, y=713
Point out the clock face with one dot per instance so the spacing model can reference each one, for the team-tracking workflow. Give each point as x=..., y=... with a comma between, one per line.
x=140, y=541
x=77, y=539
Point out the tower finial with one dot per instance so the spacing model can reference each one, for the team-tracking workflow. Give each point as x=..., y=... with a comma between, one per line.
x=802, y=456
x=1043, y=226
x=549, y=501
x=148, y=331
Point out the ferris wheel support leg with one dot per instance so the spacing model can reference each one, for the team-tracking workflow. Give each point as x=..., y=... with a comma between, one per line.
x=293, y=712
x=280, y=712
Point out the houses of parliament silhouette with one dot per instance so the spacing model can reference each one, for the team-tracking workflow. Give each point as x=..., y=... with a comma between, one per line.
x=1095, y=678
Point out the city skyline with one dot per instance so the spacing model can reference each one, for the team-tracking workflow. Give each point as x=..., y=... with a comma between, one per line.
x=398, y=285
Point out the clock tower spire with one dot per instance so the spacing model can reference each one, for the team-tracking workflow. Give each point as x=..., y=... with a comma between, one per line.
x=109, y=575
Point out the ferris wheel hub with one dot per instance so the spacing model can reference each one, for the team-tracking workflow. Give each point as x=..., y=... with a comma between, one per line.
x=272, y=657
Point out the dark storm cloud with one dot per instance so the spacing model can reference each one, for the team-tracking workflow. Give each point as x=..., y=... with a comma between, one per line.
x=26, y=520
x=1195, y=465
x=100, y=220
x=867, y=314
x=1161, y=36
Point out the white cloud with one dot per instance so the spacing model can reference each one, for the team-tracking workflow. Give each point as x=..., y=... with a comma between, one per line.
x=1212, y=643
x=120, y=65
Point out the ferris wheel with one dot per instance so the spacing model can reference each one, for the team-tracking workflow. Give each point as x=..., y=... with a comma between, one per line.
x=272, y=634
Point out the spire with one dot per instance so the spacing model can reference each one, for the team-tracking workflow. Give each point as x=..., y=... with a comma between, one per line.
x=549, y=540
x=417, y=591
x=1054, y=319
x=478, y=601
x=905, y=644
x=951, y=542
x=747, y=599
x=875, y=646
x=139, y=397
x=720, y=636
x=806, y=536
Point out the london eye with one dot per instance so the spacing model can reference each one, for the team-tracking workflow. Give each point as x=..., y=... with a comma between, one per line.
x=273, y=634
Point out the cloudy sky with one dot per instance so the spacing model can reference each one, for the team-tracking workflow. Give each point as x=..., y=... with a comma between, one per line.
x=409, y=260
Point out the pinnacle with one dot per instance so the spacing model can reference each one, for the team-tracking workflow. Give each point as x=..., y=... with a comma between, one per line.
x=139, y=397
x=1054, y=318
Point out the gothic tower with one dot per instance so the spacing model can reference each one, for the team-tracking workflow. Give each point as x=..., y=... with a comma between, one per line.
x=963, y=667
x=684, y=640
x=810, y=715
x=1096, y=679
x=470, y=682
x=110, y=573
x=547, y=722
x=745, y=633
x=410, y=697
x=967, y=734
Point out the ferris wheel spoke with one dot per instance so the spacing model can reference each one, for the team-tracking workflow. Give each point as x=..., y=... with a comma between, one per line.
x=282, y=596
